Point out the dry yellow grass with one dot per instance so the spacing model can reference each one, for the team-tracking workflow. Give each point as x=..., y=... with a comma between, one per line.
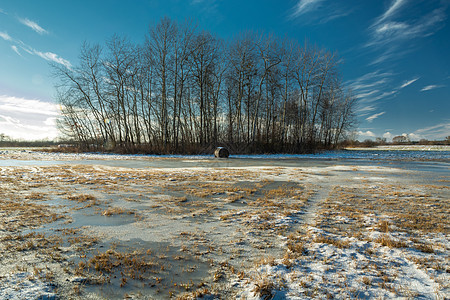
x=263, y=287
x=332, y=241
x=81, y=198
x=110, y=211
x=411, y=209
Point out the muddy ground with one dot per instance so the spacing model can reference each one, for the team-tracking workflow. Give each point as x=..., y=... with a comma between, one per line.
x=334, y=230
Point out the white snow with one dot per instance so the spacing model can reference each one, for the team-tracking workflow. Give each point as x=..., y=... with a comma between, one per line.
x=353, y=272
x=24, y=285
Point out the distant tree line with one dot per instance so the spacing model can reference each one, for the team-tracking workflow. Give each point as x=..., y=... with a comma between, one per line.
x=185, y=90
x=368, y=143
x=7, y=141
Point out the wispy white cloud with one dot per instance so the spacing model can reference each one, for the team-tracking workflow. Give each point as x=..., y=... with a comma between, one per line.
x=48, y=56
x=33, y=25
x=395, y=6
x=370, y=81
x=15, y=49
x=366, y=94
x=22, y=105
x=378, y=75
x=379, y=96
x=52, y=57
x=408, y=82
x=5, y=36
x=304, y=6
x=374, y=87
x=431, y=87
x=394, y=28
x=322, y=13
x=373, y=117
x=28, y=118
x=371, y=88
x=436, y=132
x=361, y=84
x=364, y=110
x=385, y=95
x=389, y=53
x=390, y=27
x=336, y=15
x=391, y=32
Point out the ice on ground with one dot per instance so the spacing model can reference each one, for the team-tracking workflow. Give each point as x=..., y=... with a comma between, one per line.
x=25, y=286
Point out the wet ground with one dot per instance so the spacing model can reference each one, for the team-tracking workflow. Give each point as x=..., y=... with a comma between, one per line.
x=109, y=227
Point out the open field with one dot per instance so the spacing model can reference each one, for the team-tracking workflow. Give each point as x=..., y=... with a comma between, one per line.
x=115, y=227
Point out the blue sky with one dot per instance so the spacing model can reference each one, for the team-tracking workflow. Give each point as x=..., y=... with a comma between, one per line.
x=395, y=53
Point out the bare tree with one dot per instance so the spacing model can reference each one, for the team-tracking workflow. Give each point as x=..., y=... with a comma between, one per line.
x=186, y=90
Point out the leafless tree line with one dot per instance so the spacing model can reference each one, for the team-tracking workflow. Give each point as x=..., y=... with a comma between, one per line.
x=185, y=90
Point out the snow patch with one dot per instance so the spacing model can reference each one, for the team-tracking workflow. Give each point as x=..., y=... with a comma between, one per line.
x=25, y=286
